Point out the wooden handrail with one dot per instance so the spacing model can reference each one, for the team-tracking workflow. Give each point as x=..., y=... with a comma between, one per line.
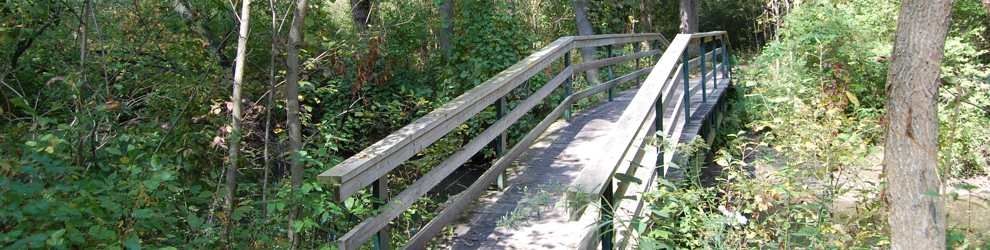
x=381, y=157
x=663, y=85
x=374, y=162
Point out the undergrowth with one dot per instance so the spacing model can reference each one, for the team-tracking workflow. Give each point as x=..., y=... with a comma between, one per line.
x=802, y=147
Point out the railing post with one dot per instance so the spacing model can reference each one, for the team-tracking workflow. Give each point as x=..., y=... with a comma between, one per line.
x=608, y=50
x=607, y=228
x=567, y=84
x=658, y=122
x=701, y=48
x=380, y=191
x=503, y=141
x=686, y=71
x=715, y=70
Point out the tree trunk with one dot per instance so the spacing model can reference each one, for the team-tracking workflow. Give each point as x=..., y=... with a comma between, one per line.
x=447, y=29
x=689, y=16
x=361, y=13
x=646, y=16
x=917, y=214
x=584, y=29
x=292, y=107
x=235, y=121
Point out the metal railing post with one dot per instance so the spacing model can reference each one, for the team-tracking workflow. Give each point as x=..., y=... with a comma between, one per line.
x=686, y=71
x=503, y=141
x=607, y=228
x=379, y=190
x=608, y=50
x=567, y=84
x=658, y=122
x=701, y=48
x=715, y=70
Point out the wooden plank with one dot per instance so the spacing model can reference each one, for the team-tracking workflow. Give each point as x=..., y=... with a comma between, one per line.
x=707, y=34
x=461, y=201
x=671, y=87
x=697, y=87
x=589, y=182
x=363, y=231
x=695, y=62
x=613, y=39
x=352, y=185
x=386, y=154
x=613, y=60
x=609, y=84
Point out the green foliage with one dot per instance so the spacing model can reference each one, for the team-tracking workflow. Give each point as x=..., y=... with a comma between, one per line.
x=805, y=171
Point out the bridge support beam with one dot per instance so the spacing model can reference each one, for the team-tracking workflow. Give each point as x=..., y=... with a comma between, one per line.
x=608, y=50
x=379, y=190
x=502, y=141
x=567, y=85
x=702, y=46
x=686, y=73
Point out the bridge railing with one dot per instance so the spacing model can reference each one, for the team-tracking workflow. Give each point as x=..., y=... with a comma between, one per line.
x=669, y=83
x=371, y=166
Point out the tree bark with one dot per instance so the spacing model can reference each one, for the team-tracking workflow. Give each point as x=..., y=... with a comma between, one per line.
x=215, y=44
x=292, y=107
x=235, y=121
x=646, y=16
x=447, y=29
x=917, y=213
x=584, y=28
x=361, y=13
x=689, y=16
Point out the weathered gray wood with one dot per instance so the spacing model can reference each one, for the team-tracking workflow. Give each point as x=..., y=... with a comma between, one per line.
x=363, y=231
x=360, y=170
x=613, y=39
x=697, y=87
x=589, y=183
x=613, y=60
x=708, y=34
x=386, y=154
x=609, y=84
x=458, y=204
x=695, y=62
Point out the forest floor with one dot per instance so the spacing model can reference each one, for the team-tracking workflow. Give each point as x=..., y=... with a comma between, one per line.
x=967, y=199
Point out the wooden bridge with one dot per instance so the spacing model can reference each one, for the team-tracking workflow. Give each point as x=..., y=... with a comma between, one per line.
x=564, y=183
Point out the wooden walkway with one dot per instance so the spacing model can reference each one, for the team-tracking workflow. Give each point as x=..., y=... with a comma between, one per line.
x=577, y=160
x=530, y=213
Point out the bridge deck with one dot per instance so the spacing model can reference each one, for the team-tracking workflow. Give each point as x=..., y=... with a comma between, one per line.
x=529, y=212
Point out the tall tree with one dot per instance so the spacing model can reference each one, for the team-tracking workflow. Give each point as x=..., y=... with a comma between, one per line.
x=917, y=213
x=689, y=16
x=361, y=13
x=447, y=29
x=584, y=28
x=292, y=107
x=235, y=121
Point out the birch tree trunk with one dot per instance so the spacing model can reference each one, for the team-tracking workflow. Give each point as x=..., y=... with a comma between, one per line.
x=235, y=121
x=292, y=107
x=689, y=16
x=917, y=213
x=584, y=28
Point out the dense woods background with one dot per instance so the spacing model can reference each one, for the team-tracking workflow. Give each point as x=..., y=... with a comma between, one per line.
x=115, y=115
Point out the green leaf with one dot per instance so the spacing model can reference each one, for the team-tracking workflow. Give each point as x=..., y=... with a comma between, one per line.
x=133, y=243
